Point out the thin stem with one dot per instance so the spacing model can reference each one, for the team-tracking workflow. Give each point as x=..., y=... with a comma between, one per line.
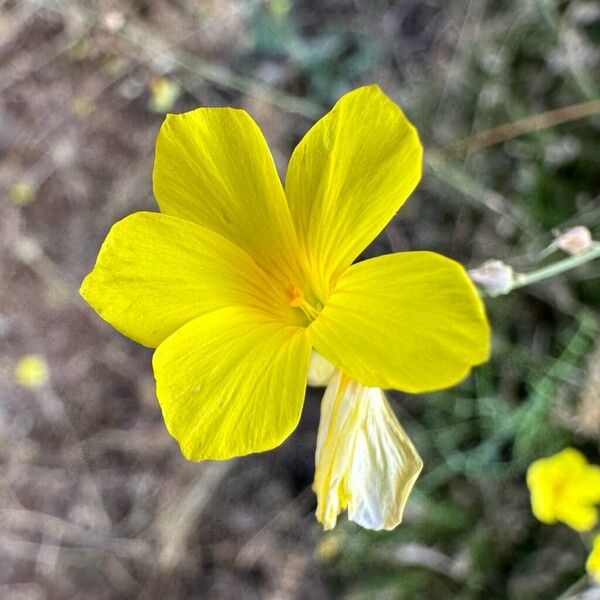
x=572, y=262
x=456, y=177
x=508, y=131
x=572, y=593
x=219, y=75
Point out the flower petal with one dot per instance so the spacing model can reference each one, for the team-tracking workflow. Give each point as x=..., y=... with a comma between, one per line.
x=411, y=321
x=213, y=167
x=320, y=371
x=580, y=517
x=365, y=461
x=231, y=382
x=592, y=564
x=154, y=273
x=348, y=176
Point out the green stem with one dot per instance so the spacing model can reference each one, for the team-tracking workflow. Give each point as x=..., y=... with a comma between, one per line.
x=572, y=262
x=573, y=592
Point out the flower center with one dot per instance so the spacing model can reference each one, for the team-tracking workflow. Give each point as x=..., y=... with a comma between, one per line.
x=295, y=297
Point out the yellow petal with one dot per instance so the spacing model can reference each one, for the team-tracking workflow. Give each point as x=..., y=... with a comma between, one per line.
x=578, y=509
x=542, y=489
x=580, y=517
x=213, y=167
x=154, y=273
x=231, y=382
x=411, y=321
x=586, y=482
x=593, y=562
x=348, y=176
x=365, y=462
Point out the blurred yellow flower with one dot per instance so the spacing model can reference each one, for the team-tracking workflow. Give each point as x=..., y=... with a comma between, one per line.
x=23, y=192
x=328, y=548
x=237, y=280
x=31, y=371
x=280, y=8
x=565, y=487
x=164, y=94
x=593, y=562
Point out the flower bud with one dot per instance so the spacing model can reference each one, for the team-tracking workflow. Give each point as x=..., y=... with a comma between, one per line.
x=494, y=276
x=575, y=240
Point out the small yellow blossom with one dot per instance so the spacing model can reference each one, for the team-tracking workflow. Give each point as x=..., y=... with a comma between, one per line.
x=566, y=488
x=164, y=93
x=22, y=192
x=593, y=562
x=328, y=548
x=31, y=371
x=83, y=107
x=240, y=279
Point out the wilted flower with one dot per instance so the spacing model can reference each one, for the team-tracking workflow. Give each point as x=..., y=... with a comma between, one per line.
x=236, y=281
x=365, y=461
x=565, y=487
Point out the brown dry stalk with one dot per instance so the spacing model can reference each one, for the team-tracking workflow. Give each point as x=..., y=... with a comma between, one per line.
x=508, y=131
x=588, y=411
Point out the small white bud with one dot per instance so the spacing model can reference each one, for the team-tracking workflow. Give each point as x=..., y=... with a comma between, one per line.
x=113, y=20
x=575, y=240
x=494, y=276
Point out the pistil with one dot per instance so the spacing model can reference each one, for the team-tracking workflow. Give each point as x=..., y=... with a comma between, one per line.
x=296, y=299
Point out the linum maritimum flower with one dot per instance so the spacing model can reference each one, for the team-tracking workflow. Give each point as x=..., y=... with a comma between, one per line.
x=565, y=487
x=238, y=279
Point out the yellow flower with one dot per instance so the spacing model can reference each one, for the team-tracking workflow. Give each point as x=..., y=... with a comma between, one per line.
x=565, y=487
x=593, y=562
x=31, y=371
x=238, y=279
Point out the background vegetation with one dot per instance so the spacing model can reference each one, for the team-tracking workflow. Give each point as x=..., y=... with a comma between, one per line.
x=95, y=500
